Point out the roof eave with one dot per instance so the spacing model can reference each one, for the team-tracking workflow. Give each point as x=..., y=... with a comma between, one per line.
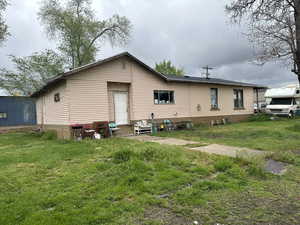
x=216, y=83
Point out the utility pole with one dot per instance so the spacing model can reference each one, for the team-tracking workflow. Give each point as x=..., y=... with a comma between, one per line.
x=207, y=69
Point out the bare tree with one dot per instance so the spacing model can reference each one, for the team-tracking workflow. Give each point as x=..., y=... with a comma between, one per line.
x=274, y=27
x=3, y=27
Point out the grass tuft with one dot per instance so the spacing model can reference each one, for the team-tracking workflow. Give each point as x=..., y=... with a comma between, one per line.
x=256, y=170
x=295, y=127
x=122, y=156
x=286, y=157
x=224, y=164
x=259, y=117
x=49, y=135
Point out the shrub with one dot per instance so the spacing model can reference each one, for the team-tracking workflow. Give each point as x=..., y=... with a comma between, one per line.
x=49, y=135
x=123, y=155
x=259, y=117
x=223, y=164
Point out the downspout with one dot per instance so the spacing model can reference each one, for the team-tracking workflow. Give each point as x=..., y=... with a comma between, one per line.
x=43, y=105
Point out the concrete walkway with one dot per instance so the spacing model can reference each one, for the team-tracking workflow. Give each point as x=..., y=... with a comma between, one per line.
x=210, y=149
x=161, y=140
x=230, y=151
x=271, y=166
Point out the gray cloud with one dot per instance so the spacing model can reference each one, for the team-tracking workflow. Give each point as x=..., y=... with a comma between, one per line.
x=191, y=33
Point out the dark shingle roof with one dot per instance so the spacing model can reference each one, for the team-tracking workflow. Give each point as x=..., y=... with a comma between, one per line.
x=191, y=79
x=167, y=78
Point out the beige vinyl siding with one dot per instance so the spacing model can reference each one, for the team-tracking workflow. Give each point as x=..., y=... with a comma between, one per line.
x=88, y=96
x=144, y=83
x=200, y=94
x=187, y=98
x=53, y=112
x=88, y=91
x=39, y=110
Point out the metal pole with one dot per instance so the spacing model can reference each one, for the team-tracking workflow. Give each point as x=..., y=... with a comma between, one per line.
x=257, y=100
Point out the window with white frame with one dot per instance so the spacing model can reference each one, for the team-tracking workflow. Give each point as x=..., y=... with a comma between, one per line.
x=238, y=98
x=214, y=98
x=164, y=97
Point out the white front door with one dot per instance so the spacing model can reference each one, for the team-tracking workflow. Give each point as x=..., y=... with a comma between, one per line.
x=121, y=108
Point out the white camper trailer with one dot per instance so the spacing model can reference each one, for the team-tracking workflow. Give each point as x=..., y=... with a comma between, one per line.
x=283, y=101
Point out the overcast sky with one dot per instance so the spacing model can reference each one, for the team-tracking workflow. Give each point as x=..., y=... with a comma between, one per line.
x=190, y=33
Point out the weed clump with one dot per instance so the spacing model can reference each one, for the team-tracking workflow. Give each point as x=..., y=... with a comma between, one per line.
x=295, y=127
x=259, y=117
x=49, y=135
x=148, y=154
x=256, y=170
x=223, y=164
x=285, y=157
x=123, y=155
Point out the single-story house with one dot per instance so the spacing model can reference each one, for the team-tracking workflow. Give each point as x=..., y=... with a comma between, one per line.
x=123, y=89
x=17, y=111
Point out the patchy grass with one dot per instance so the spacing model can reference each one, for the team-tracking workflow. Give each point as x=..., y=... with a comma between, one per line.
x=119, y=181
x=279, y=135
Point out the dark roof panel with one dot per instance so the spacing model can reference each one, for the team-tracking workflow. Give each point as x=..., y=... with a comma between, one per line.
x=191, y=79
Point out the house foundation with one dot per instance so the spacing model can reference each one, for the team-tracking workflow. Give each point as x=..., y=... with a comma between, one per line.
x=64, y=131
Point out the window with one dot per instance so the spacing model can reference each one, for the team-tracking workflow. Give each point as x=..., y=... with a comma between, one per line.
x=3, y=115
x=281, y=101
x=57, y=97
x=214, y=98
x=238, y=98
x=164, y=97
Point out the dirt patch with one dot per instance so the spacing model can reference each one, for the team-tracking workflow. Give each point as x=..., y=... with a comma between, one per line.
x=297, y=152
x=164, y=216
x=275, y=167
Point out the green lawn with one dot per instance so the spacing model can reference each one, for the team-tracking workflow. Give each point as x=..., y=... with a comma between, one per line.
x=125, y=182
x=279, y=135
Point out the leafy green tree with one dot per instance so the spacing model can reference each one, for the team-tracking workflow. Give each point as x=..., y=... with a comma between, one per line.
x=3, y=27
x=31, y=72
x=79, y=32
x=166, y=67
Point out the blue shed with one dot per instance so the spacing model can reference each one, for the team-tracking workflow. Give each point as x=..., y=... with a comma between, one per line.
x=17, y=111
